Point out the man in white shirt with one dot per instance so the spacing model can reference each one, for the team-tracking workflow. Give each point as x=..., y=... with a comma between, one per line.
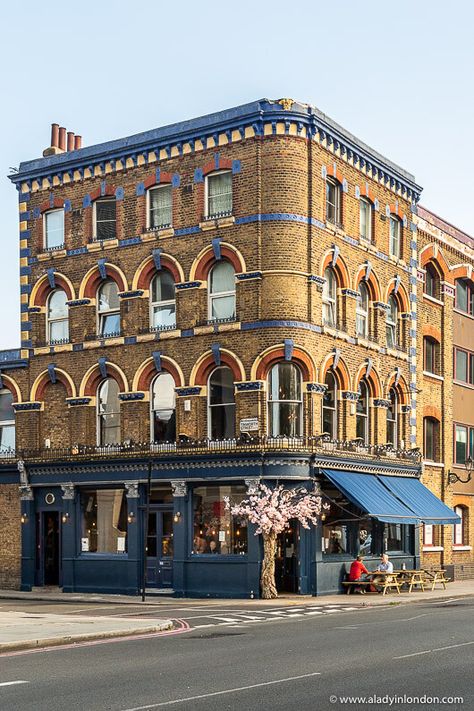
x=385, y=566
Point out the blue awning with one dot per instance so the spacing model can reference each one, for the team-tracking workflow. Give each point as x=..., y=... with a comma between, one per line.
x=421, y=500
x=368, y=493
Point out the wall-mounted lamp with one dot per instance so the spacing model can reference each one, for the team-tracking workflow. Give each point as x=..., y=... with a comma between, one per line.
x=177, y=517
x=24, y=518
x=131, y=517
x=453, y=477
x=65, y=517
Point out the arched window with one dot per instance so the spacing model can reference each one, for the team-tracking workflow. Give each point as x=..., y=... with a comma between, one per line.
x=333, y=201
x=105, y=218
x=57, y=326
x=329, y=409
x=431, y=439
x=222, y=292
x=330, y=298
x=363, y=412
x=432, y=283
x=108, y=309
x=392, y=322
x=221, y=404
x=162, y=301
x=219, y=194
x=395, y=237
x=392, y=419
x=366, y=219
x=362, y=311
x=163, y=409
x=108, y=413
x=7, y=422
x=160, y=207
x=285, y=402
x=460, y=529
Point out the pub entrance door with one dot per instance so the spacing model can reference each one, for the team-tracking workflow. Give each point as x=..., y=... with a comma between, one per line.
x=159, y=569
x=48, y=554
x=286, y=561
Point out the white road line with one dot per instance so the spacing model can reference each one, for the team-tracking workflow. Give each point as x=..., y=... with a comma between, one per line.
x=436, y=649
x=220, y=693
x=314, y=612
x=12, y=683
x=224, y=619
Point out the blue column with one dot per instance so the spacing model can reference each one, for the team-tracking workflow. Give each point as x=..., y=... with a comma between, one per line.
x=134, y=541
x=182, y=526
x=28, y=539
x=70, y=530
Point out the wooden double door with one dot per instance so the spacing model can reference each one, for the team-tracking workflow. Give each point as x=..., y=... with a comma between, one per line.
x=159, y=570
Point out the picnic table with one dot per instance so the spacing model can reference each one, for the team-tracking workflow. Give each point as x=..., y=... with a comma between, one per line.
x=396, y=579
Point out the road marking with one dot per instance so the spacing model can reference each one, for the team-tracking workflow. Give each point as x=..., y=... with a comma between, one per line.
x=11, y=683
x=436, y=649
x=221, y=693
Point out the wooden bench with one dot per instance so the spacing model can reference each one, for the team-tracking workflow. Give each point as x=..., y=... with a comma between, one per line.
x=435, y=577
x=411, y=578
x=351, y=584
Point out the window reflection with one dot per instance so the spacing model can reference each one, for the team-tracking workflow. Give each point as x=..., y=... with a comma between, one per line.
x=215, y=530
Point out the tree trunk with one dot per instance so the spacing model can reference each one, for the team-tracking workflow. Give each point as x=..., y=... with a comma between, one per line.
x=269, y=590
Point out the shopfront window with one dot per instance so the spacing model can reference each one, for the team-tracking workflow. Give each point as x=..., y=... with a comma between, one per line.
x=335, y=538
x=366, y=540
x=393, y=537
x=215, y=530
x=104, y=521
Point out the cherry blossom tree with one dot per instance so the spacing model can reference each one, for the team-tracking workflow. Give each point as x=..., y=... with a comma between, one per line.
x=271, y=510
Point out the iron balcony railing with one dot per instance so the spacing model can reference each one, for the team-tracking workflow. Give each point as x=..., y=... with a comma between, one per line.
x=241, y=445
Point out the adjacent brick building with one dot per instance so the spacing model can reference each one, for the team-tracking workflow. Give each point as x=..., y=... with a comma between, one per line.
x=206, y=305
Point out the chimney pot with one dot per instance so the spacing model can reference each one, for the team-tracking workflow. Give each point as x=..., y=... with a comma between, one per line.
x=62, y=138
x=54, y=135
x=70, y=141
x=77, y=142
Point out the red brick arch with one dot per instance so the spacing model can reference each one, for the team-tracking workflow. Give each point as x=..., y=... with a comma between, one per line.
x=149, y=372
x=55, y=204
x=434, y=255
x=10, y=384
x=340, y=270
x=372, y=283
x=43, y=289
x=401, y=296
x=212, y=167
x=373, y=381
x=108, y=192
x=94, y=280
x=401, y=389
x=95, y=377
x=299, y=358
x=334, y=172
x=208, y=364
x=431, y=332
x=432, y=411
x=207, y=260
x=341, y=372
x=147, y=270
x=396, y=210
x=44, y=380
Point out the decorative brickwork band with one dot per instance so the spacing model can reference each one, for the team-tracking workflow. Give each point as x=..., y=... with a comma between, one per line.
x=350, y=292
x=130, y=294
x=78, y=302
x=186, y=392
x=249, y=386
x=188, y=285
x=319, y=388
x=378, y=402
x=349, y=395
x=25, y=406
x=248, y=275
x=76, y=401
x=126, y=397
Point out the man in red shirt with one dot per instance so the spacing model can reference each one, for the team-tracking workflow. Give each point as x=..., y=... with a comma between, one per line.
x=357, y=570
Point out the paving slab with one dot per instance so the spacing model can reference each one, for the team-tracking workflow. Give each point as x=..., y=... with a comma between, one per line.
x=24, y=630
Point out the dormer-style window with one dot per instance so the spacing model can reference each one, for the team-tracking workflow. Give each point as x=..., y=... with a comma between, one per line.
x=395, y=237
x=105, y=218
x=333, y=201
x=365, y=216
x=54, y=229
x=219, y=194
x=160, y=207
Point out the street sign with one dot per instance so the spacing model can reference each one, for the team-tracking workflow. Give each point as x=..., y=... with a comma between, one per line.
x=250, y=424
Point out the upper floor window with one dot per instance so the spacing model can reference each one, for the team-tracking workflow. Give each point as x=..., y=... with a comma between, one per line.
x=285, y=402
x=7, y=422
x=392, y=418
x=54, y=229
x=163, y=409
x=395, y=237
x=431, y=356
x=363, y=413
x=392, y=322
x=365, y=216
x=460, y=529
x=329, y=298
x=333, y=201
x=221, y=404
x=432, y=283
x=431, y=439
x=57, y=318
x=105, y=218
x=465, y=296
x=362, y=311
x=108, y=413
x=162, y=301
x=108, y=309
x=463, y=443
x=464, y=366
x=160, y=207
x=329, y=409
x=219, y=194
x=222, y=292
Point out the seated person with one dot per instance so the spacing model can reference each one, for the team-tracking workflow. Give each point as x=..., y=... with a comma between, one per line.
x=385, y=566
x=357, y=570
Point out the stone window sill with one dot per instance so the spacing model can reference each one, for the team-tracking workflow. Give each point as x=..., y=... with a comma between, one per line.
x=433, y=549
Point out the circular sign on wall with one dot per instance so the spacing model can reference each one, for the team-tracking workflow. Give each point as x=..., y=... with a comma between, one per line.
x=49, y=498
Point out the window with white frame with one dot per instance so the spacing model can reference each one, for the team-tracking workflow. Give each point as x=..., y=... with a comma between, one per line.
x=162, y=301
x=362, y=311
x=395, y=237
x=362, y=413
x=222, y=292
x=108, y=413
x=163, y=408
x=460, y=529
x=108, y=309
x=285, y=401
x=330, y=298
x=160, y=207
x=365, y=218
x=392, y=322
x=333, y=201
x=57, y=314
x=53, y=229
x=7, y=422
x=221, y=404
x=219, y=194
x=105, y=218
x=329, y=409
x=392, y=419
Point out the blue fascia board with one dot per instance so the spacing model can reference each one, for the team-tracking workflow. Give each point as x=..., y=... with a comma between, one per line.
x=255, y=112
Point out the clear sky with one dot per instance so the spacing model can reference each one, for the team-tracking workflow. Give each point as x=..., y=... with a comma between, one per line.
x=398, y=75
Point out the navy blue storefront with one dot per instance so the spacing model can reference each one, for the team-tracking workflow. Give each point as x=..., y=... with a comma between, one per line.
x=85, y=526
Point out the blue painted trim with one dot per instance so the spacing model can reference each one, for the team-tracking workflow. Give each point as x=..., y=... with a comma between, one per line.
x=216, y=353
x=78, y=302
x=157, y=360
x=249, y=386
x=187, y=332
x=289, y=348
x=102, y=268
x=129, y=241
x=188, y=285
x=140, y=190
x=52, y=373
x=157, y=258
x=25, y=271
x=78, y=347
x=25, y=234
x=187, y=231
x=24, y=216
x=103, y=366
x=185, y=392
x=24, y=406
x=125, y=397
x=78, y=401
x=26, y=326
x=216, y=248
x=25, y=252
x=130, y=294
x=25, y=289
x=130, y=340
x=74, y=252
x=24, y=197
